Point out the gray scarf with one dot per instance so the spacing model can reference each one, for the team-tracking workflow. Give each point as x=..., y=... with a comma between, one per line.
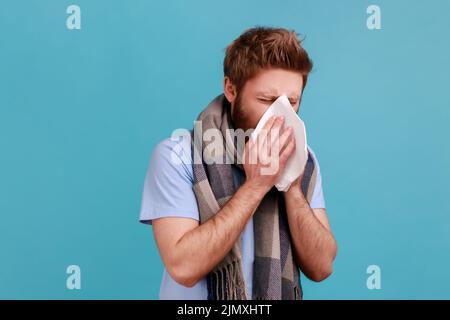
x=275, y=273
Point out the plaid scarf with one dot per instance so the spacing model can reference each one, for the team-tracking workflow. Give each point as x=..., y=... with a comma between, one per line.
x=275, y=273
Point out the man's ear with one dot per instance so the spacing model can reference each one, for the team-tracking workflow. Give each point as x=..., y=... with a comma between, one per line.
x=229, y=90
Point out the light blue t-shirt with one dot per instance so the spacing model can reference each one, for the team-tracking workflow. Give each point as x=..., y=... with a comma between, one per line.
x=168, y=192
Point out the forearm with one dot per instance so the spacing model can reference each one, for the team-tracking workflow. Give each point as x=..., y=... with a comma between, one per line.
x=202, y=248
x=314, y=245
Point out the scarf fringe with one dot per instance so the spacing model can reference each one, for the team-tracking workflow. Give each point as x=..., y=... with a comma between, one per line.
x=228, y=283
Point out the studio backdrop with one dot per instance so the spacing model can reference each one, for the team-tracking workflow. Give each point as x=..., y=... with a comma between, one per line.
x=89, y=88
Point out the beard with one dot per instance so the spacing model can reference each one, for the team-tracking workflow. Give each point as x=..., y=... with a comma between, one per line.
x=240, y=121
x=239, y=116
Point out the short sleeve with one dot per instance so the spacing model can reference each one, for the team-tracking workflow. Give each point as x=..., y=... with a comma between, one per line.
x=168, y=183
x=317, y=200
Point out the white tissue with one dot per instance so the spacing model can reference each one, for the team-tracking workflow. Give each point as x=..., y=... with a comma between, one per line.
x=296, y=163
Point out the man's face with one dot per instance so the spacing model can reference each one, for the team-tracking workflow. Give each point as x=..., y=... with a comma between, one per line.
x=261, y=91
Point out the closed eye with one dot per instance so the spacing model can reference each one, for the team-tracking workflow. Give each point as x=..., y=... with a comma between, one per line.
x=270, y=101
x=266, y=100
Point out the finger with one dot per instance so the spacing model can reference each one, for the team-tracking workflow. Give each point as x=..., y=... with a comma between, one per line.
x=287, y=152
x=279, y=144
x=265, y=130
x=249, y=152
x=278, y=130
x=287, y=134
x=270, y=123
x=272, y=134
x=262, y=139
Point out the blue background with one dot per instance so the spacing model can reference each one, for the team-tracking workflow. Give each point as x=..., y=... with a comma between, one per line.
x=81, y=110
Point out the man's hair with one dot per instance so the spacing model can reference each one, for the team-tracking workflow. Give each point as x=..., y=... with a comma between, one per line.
x=261, y=48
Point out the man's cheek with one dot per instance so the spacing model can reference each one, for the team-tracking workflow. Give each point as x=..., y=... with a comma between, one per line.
x=256, y=117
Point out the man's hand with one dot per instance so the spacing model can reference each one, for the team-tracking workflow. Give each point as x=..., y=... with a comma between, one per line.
x=265, y=159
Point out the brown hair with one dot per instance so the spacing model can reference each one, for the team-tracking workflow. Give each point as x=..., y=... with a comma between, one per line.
x=263, y=47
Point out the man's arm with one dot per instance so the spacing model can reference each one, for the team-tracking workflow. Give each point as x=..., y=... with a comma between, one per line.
x=314, y=245
x=190, y=251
